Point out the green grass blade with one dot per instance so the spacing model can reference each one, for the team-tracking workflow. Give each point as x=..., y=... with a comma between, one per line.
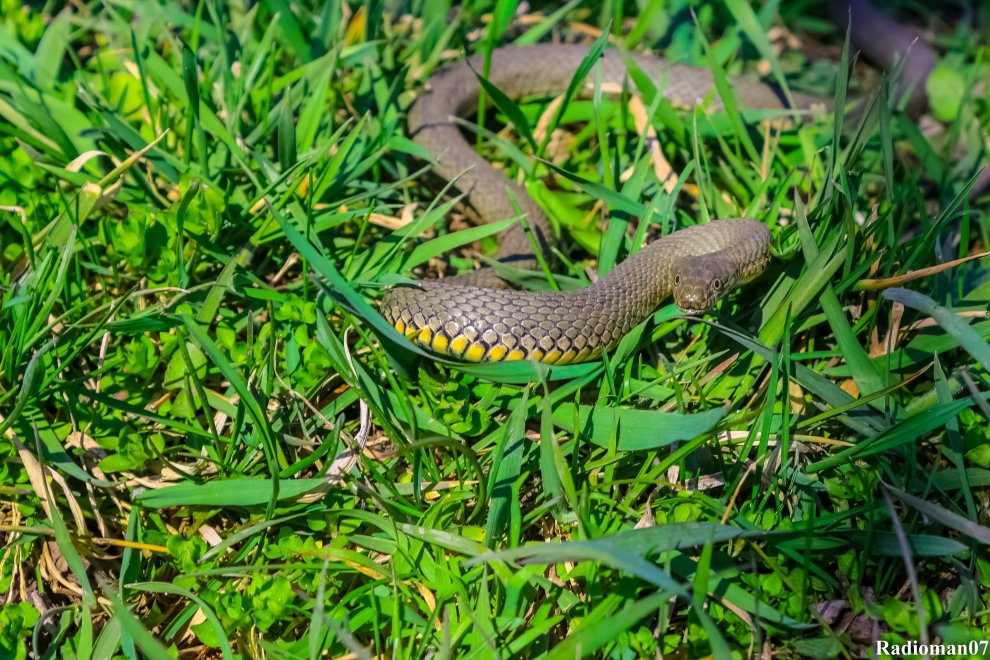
x=951, y=322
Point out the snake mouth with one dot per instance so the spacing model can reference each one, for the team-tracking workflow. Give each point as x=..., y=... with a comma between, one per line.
x=692, y=310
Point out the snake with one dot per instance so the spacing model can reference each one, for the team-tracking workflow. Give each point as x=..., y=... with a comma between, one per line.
x=475, y=317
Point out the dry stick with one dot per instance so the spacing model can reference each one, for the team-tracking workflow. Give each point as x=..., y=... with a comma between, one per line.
x=898, y=280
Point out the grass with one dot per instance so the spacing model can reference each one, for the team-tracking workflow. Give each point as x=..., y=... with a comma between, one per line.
x=212, y=445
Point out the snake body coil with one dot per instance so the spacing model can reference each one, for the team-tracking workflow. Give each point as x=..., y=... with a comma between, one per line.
x=473, y=316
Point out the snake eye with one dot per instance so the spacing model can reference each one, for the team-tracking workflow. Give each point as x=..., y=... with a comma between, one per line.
x=716, y=284
x=677, y=280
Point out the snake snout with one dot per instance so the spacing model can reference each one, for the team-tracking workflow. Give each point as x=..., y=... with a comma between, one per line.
x=699, y=283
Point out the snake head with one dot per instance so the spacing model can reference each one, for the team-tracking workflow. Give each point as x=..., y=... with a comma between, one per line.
x=699, y=282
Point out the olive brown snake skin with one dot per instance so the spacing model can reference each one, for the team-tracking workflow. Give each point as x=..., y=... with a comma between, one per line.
x=474, y=317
